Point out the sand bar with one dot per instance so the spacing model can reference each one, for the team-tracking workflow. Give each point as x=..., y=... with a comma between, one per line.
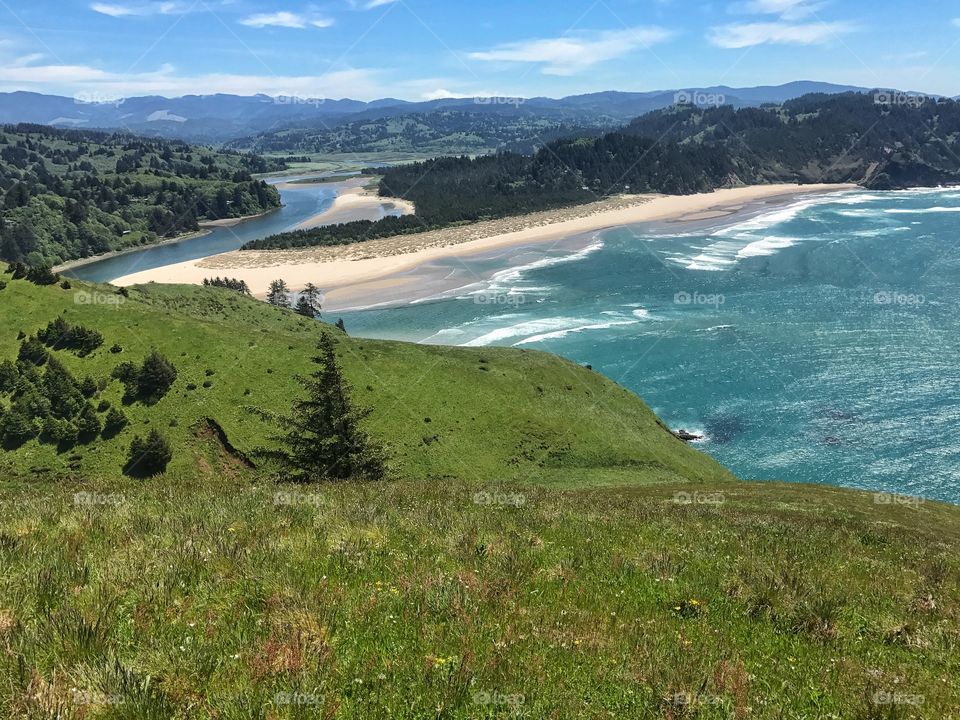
x=344, y=268
x=355, y=202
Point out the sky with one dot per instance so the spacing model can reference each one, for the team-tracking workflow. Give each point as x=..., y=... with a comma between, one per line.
x=424, y=49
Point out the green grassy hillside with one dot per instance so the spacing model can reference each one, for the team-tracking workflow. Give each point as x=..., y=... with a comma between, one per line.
x=475, y=414
x=544, y=548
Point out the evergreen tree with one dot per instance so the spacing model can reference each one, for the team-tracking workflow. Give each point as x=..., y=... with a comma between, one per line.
x=114, y=423
x=303, y=307
x=279, y=294
x=88, y=424
x=156, y=376
x=17, y=429
x=148, y=456
x=8, y=376
x=310, y=301
x=62, y=432
x=150, y=382
x=322, y=439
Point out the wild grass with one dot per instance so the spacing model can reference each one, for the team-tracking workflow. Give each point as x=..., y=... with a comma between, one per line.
x=545, y=548
x=244, y=599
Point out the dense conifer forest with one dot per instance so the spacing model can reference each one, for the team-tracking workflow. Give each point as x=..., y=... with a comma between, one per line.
x=68, y=194
x=880, y=141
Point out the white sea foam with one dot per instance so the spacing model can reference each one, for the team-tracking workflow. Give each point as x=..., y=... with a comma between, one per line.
x=767, y=246
x=526, y=328
x=921, y=211
x=770, y=219
x=863, y=212
x=505, y=278
x=556, y=334
x=714, y=328
x=879, y=232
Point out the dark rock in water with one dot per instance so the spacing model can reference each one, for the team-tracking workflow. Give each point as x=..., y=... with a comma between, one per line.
x=832, y=440
x=688, y=436
x=838, y=415
x=724, y=428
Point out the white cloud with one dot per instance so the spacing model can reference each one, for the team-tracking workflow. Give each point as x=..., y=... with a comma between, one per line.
x=570, y=55
x=440, y=94
x=284, y=19
x=85, y=81
x=378, y=3
x=786, y=9
x=956, y=22
x=741, y=35
x=140, y=9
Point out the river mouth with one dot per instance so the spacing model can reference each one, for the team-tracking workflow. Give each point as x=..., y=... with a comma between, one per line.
x=300, y=203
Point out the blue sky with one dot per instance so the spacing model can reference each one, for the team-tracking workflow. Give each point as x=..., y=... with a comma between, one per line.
x=421, y=49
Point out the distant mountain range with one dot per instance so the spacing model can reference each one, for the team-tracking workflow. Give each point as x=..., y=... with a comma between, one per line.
x=221, y=118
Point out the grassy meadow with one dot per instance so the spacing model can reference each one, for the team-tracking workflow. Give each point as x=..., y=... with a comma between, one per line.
x=543, y=548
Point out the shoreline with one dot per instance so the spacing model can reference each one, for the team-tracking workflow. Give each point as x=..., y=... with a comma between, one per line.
x=350, y=271
x=81, y=262
x=354, y=202
x=206, y=227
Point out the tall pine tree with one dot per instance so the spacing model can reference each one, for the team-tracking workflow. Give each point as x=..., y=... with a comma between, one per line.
x=310, y=299
x=322, y=439
x=279, y=294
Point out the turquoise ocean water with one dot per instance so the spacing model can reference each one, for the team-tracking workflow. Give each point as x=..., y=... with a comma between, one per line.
x=811, y=342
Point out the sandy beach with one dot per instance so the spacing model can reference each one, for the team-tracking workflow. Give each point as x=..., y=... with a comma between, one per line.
x=349, y=272
x=356, y=202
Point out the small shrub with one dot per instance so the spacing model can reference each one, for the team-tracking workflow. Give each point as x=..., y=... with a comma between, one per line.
x=88, y=424
x=114, y=423
x=42, y=275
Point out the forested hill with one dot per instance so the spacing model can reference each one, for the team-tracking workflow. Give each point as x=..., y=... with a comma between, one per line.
x=440, y=132
x=67, y=194
x=880, y=141
x=883, y=140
